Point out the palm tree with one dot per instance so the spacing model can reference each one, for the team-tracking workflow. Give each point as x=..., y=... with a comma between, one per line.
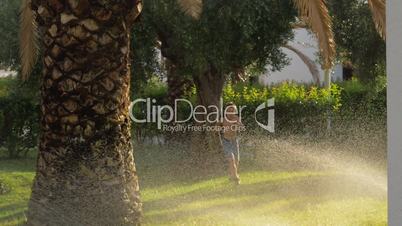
x=312, y=13
x=379, y=17
x=315, y=15
x=85, y=168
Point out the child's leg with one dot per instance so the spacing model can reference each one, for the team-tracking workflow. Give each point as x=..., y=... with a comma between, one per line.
x=232, y=167
x=229, y=148
x=237, y=154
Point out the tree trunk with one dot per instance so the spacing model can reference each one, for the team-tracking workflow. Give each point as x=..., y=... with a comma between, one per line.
x=206, y=145
x=85, y=168
x=209, y=88
x=8, y=134
x=177, y=84
x=327, y=78
x=12, y=147
x=238, y=75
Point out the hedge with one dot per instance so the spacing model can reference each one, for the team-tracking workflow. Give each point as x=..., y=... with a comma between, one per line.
x=299, y=109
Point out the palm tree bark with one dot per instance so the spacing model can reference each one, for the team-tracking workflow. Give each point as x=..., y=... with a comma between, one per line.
x=85, y=168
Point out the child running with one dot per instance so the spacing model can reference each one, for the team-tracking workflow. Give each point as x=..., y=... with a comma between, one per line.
x=231, y=125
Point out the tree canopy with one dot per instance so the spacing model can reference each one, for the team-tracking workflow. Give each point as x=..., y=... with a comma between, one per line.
x=9, y=24
x=357, y=38
x=228, y=34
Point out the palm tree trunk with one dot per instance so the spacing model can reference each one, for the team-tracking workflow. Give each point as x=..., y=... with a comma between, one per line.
x=85, y=168
x=327, y=78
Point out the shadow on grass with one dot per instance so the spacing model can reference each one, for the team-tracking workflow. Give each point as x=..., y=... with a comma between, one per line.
x=17, y=165
x=13, y=212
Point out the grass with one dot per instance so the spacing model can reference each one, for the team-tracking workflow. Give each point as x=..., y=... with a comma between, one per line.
x=265, y=197
x=17, y=175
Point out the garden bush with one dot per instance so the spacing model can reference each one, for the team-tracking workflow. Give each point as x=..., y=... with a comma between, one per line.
x=19, y=125
x=298, y=108
x=364, y=99
x=19, y=121
x=363, y=110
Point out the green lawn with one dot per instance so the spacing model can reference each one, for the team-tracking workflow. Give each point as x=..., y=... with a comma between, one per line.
x=17, y=176
x=265, y=197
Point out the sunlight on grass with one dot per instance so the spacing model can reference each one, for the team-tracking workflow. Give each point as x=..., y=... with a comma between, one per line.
x=274, y=198
x=263, y=198
x=352, y=211
x=17, y=176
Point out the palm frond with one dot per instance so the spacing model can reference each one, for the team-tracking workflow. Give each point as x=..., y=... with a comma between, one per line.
x=379, y=16
x=192, y=8
x=315, y=14
x=28, y=39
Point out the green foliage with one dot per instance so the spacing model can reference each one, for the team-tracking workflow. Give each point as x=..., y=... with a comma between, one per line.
x=19, y=111
x=244, y=94
x=5, y=85
x=9, y=25
x=19, y=124
x=169, y=25
x=145, y=65
x=356, y=37
x=9, y=42
x=368, y=100
x=155, y=88
x=19, y=116
x=298, y=108
x=286, y=184
x=239, y=33
x=228, y=35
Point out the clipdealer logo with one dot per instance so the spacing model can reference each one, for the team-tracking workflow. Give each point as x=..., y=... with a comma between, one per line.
x=270, y=104
x=165, y=114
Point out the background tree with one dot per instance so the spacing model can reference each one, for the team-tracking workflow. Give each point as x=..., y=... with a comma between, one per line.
x=150, y=42
x=19, y=114
x=357, y=37
x=19, y=111
x=227, y=37
x=9, y=24
x=145, y=58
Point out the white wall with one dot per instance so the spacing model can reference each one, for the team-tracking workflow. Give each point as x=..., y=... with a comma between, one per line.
x=4, y=73
x=297, y=71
